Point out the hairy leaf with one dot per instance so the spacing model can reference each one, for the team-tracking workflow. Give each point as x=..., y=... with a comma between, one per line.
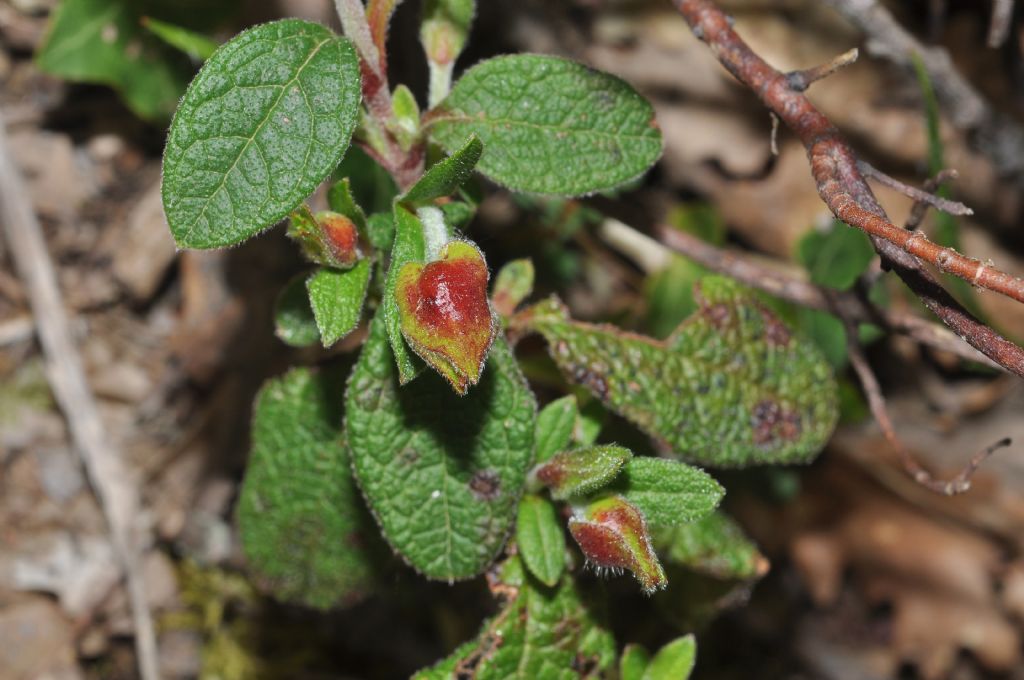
x=714, y=545
x=303, y=526
x=540, y=538
x=442, y=474
x=668, y=492
x=336, y=296
x=294, y=322
x=549, y=125
x=409, y=246
x=447, y=175
x=613, y=535
x=266, y=120
x=732, y=386
x=540, y=632
x=555, y=424
x=102, y=41
x=581, y=471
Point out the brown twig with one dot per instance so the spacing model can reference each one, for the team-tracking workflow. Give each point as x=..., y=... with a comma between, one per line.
x=961, y=482
x=919, y=195
x=931, y=185
x=994, y=134
x=111, y=482
x=801, y=80
x=842, y=187
x=801, y=292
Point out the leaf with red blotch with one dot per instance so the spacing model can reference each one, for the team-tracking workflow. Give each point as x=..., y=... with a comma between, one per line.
x=445, y=315
x=613, y=535
x=327, y=238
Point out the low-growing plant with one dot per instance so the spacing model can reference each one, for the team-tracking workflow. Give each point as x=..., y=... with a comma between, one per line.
x=433, y=439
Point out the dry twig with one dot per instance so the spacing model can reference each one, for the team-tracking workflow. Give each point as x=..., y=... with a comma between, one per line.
x=111, y=482
x=999, y=28
x=842, y=187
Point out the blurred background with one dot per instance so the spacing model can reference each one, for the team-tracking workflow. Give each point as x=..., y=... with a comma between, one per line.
x=872, y=576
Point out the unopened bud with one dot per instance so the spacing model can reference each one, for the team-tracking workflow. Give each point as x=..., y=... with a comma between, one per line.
x=612, y=533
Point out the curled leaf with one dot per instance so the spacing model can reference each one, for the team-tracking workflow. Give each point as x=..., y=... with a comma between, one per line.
x=327, y=238
x=613, y=535
x=573, y=473
x=444, y=312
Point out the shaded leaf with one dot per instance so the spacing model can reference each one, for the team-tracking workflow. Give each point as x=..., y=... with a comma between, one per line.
x=732, y=386
x=540, y=538
x=581, y=471
x=512, y=285
x=836, y=258
x=555, y=424
x=294, y=322
x=336, y=296
x=447, y=175
x=442, y=474
x=303, y=526
x=266, y=120
x=195, y=45
x=674, y=661
x=534, y=112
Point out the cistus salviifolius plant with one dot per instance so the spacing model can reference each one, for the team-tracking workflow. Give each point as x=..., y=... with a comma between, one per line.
x=432, y=440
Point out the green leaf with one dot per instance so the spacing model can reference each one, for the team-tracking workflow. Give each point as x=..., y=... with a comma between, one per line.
x=372, y=187
x=668, y=492
x=512, y=285
x=714, y=545
x=102, y=41
x=294, y=322
x=555, y=425
x=674, y=661
x=195, y=45
x=446, y=176
x=303, y=527
x=266, y=120
x=409, y=246
x=380, y=230
x=732, y=386
x=581, y=471
x=549, y=125
x=336, y=296
x=836, y=258
x=341, y=200
x=540, y=538
x=633, y=662
x=442, y=474
x=827, y=332
x=540, y=632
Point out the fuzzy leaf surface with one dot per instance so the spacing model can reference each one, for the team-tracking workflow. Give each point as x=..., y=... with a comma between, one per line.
x=714, y=545
x=533, y=113
x=267, y=119
x=541, y=632
x=540, y=538
x=294, y=322
x=581, y=471
x=303, y=526
x=442, y=474
x=336, y=296
x=409, y=247
x=668, y=492
x=733, y=386
x=447, y=175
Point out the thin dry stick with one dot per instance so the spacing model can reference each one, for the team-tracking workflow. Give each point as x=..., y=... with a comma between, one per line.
x=931, y=186
x=110, y=481
x=801, y=80
x=961, y=482
x=997, y=136
x=919, y=195
x=843, y=189
x=999, y=28
x=801, y=292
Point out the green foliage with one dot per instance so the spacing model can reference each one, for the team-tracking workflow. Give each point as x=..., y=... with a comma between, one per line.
x=103, y=41
x=534, y=112
x=409, y=247
x=836, y=258
x=442, y=474
x=266, y=120
x=581, y=471
x=336, y=297
x=668, y=492
x=674, y=661
x=633, y=662
x=540, y=539
x=540, y=632
x=195, y=45
x=303, y=527
x=713, y=545
x=512, y=285
x=555, y=425
x=446, y=176
x=732, y=386
x=294, y=322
